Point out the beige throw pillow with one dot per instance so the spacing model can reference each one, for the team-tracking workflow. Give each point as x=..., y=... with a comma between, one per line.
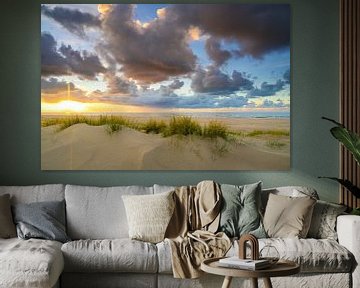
x=149, y=215
x=288, y=217
x=7, y=226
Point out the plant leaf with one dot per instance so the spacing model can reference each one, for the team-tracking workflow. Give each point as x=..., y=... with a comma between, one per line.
x=349, y=139
x=347, y=184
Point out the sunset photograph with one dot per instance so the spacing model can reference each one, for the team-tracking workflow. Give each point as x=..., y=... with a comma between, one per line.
x=165, y=87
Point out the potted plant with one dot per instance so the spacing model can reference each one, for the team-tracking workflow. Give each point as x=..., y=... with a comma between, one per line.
x=351, y=141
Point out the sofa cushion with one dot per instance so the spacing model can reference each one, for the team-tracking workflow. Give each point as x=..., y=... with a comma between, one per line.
x=313, y=255
x=117, y=255
x=42, y=220
x=287, y=216
x=36, y=193
x=291, y=191
x=98, y=213
x=323, y=222
x=30, y=263
x=149, y=215
x=240, y=210
x=7, y=226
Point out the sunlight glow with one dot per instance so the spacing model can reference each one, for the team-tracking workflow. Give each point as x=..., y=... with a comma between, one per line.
x=65, y=106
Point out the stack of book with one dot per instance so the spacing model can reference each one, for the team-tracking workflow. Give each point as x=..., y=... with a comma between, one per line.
x=248, y=264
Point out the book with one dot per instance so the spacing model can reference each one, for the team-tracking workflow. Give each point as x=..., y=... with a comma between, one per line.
x=248, y=264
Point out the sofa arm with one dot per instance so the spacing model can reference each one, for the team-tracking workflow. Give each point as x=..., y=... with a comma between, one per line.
x=348, y=230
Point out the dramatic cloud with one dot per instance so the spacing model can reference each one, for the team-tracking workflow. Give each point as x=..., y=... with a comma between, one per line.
x=258, y=29
x=74, y=21
x=53, y=86
x=150, y=53
x=66, y=61
x=82, y=63
x=119, y=85
x=52, y=63
x=213, y=80
x=267, y=89
x=176, y=84
x=213, y=49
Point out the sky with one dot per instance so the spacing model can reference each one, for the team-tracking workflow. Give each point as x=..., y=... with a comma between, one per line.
x=163, y=57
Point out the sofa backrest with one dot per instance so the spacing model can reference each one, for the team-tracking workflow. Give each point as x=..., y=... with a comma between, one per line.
x=98, y=212
x=36, y=193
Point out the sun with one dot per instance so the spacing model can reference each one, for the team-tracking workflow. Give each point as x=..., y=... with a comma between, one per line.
x=69, y=106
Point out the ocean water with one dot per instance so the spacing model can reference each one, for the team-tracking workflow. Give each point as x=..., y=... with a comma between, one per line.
x=240, y=114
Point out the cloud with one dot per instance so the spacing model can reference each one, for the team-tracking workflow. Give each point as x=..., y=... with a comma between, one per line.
x=272, y=104
x=267, y=89
x=53, y=85
x=287, y=76
x=147, y=54
x=66, y=60
x=213, y=80
x=176, y=84
x=213, y=49
x=82, y=63
x=119, y=85
x=73, y=20
x=257, y=28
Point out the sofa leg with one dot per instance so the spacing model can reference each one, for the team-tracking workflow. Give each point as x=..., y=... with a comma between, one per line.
x=227, y=282
x=254, y=282
x=267, y=283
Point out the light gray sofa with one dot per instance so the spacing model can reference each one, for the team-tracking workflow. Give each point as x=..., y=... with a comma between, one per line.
x=101, y=255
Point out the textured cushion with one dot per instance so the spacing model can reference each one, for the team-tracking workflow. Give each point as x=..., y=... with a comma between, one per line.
x=287, y=216
x=163, y=188
x=323, y=222
x=30, y=263
x=98, y=213
x=37, y=193
x=149, y=215
x=43, y=220
x=7, y=227
x=118, y=255
x=240, y=213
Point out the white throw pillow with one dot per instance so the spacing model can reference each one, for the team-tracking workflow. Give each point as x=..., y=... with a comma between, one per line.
x=149, y=215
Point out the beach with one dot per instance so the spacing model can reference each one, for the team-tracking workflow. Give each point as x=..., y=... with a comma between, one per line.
x=86, y=147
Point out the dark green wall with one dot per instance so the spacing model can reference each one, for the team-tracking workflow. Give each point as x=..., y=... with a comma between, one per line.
x=314, y=93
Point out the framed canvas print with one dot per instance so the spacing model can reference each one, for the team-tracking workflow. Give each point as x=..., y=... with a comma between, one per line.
x=165, y=87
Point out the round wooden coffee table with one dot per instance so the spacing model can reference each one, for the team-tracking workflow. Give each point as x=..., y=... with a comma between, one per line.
x=281, y=268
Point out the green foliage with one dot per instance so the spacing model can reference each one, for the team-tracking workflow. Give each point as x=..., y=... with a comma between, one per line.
x=183, y=125
x=351, y=141
x=274, y=144
x=268, y=132
x=215, y=129
x=113, y=127
x=154, y=126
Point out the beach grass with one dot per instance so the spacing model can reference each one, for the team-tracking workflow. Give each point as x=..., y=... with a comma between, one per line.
x=255, y=133
x=177, y=125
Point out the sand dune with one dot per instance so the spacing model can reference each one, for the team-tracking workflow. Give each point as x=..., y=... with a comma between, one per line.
x=83, y=147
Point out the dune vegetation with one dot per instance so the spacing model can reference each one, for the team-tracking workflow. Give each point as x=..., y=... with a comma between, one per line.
x=177, y=125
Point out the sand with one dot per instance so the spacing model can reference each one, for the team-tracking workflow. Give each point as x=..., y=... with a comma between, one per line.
x=83, y=147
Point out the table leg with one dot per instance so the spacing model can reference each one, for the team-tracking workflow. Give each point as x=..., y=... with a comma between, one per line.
x=267, y=283
x=254, y=282
x=227, y=282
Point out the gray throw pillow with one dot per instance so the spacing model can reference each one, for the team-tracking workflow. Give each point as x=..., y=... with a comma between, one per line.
x=323, y=222
x=43, y=220
x=240, y=213
x=7, y=227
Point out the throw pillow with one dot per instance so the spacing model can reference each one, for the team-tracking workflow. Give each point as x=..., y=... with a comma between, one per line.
x=323, y=222
x=43, y=220
x=7, y=227
x=149, y=215
x=240, y=213
x=288, y=217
